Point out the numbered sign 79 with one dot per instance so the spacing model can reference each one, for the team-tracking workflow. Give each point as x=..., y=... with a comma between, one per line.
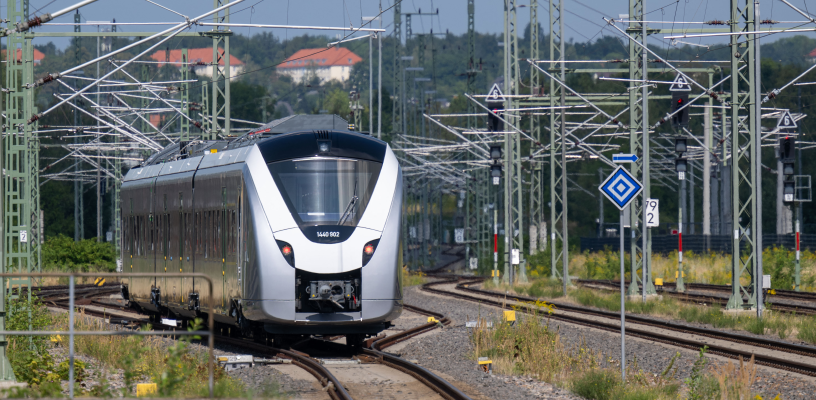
x=652, y=213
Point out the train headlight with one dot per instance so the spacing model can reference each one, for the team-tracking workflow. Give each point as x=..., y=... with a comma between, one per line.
x=287, y=252
x=368, y=250
x=323, y=146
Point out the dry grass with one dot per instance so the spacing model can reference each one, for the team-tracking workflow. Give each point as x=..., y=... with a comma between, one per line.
x=179, y=370
x=735, y=382
x=531, y=348
x=413, y=278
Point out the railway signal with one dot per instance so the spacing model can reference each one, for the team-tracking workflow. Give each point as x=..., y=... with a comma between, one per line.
x=680, y=163
x=680, y=117
x=496, y=169
x=787, y=147
x=495, y=102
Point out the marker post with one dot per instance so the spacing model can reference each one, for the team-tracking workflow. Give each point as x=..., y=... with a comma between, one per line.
x=621, y=188
x=623, y=304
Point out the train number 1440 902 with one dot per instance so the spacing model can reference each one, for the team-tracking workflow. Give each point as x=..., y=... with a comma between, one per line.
x=328, y=234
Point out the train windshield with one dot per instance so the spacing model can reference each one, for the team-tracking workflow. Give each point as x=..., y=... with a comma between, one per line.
x=326, y=191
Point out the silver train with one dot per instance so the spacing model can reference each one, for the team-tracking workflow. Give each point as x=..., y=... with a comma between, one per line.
x=300, y=233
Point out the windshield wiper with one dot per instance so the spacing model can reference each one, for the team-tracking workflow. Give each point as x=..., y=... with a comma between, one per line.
x=350, y=207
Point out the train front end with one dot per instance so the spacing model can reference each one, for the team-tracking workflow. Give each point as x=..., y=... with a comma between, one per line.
x=323, y=254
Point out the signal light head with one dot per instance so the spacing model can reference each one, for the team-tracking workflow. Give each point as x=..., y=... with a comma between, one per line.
x=495, y=152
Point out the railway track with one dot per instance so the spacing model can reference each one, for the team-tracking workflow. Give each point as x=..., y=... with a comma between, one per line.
x=373, y=350
x=768, y=352
x=702, y=298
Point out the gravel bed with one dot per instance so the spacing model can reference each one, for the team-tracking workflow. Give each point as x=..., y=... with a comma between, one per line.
x=448, y=352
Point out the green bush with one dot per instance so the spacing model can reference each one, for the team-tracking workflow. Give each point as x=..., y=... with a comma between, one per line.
x=597, y=385
x=62, y=253
x=605, y=264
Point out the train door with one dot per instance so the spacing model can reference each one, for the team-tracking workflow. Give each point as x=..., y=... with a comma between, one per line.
x=222, y=241
x=164, y=239
x=239, y=259
x=180, y=251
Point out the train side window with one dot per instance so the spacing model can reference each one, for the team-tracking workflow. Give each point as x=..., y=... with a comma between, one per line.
x=218, y=232
x=205, y=239
x=197, y=229
x=234, y=231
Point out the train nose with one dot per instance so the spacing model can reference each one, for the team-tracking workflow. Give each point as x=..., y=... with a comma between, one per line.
x=325, y=291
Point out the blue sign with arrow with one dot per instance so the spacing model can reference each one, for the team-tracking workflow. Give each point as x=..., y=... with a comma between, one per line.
x=621, y=188
x=624, y=158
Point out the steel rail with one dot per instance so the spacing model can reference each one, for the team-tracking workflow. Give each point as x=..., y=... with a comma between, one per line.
x=707, y=298
x=674, y=340
x=374, y=347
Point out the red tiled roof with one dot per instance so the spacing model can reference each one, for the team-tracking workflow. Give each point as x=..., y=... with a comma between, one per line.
x=38, y=55
x=332, y=56
x=196, y=55
x=813, y=53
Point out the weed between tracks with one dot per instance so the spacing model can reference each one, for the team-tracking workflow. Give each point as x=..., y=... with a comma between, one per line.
x=530, y=347
x=178, y=369
x=711, y=267
x=785, y=326
x=414, y=278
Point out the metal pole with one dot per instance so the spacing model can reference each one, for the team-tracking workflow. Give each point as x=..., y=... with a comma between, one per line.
x=623, y=304
x=600, y=207
x=756, y=160
x=798, y=273
x=565, y=280
x=71, y=336
x=98, y=172
x=680, y=285
x=379, y=80
x=370, y=87
x=645, y=169
x=495, y=243
x=707, y=168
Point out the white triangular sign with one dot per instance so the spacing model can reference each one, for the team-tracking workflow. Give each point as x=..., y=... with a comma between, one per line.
x=680, y=84
x=495, y=95
x=786, y=121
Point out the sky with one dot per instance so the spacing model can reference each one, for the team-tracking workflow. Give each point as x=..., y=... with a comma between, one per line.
x=583, y=17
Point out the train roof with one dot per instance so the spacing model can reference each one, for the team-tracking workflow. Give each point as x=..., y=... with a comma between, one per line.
x=301, y=122
x=189, y=155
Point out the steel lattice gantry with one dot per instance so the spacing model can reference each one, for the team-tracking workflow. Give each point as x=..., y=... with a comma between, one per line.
x=21, y=189
x=396, y=113
x=558, y=155
x=220, y=107
x=640, y=250
x=745, y=158
x=513, y=204
x=536, y=191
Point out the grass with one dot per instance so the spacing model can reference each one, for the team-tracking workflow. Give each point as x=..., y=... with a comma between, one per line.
x=782, y=325
x=712, y=267
x=177, y=369
x=413, y=278
x=530, y=347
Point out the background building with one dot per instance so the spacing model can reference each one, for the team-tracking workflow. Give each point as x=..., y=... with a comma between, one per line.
x=332, y=63
x=201, y=59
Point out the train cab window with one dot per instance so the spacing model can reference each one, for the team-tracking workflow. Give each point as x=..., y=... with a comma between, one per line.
x=325, y=190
